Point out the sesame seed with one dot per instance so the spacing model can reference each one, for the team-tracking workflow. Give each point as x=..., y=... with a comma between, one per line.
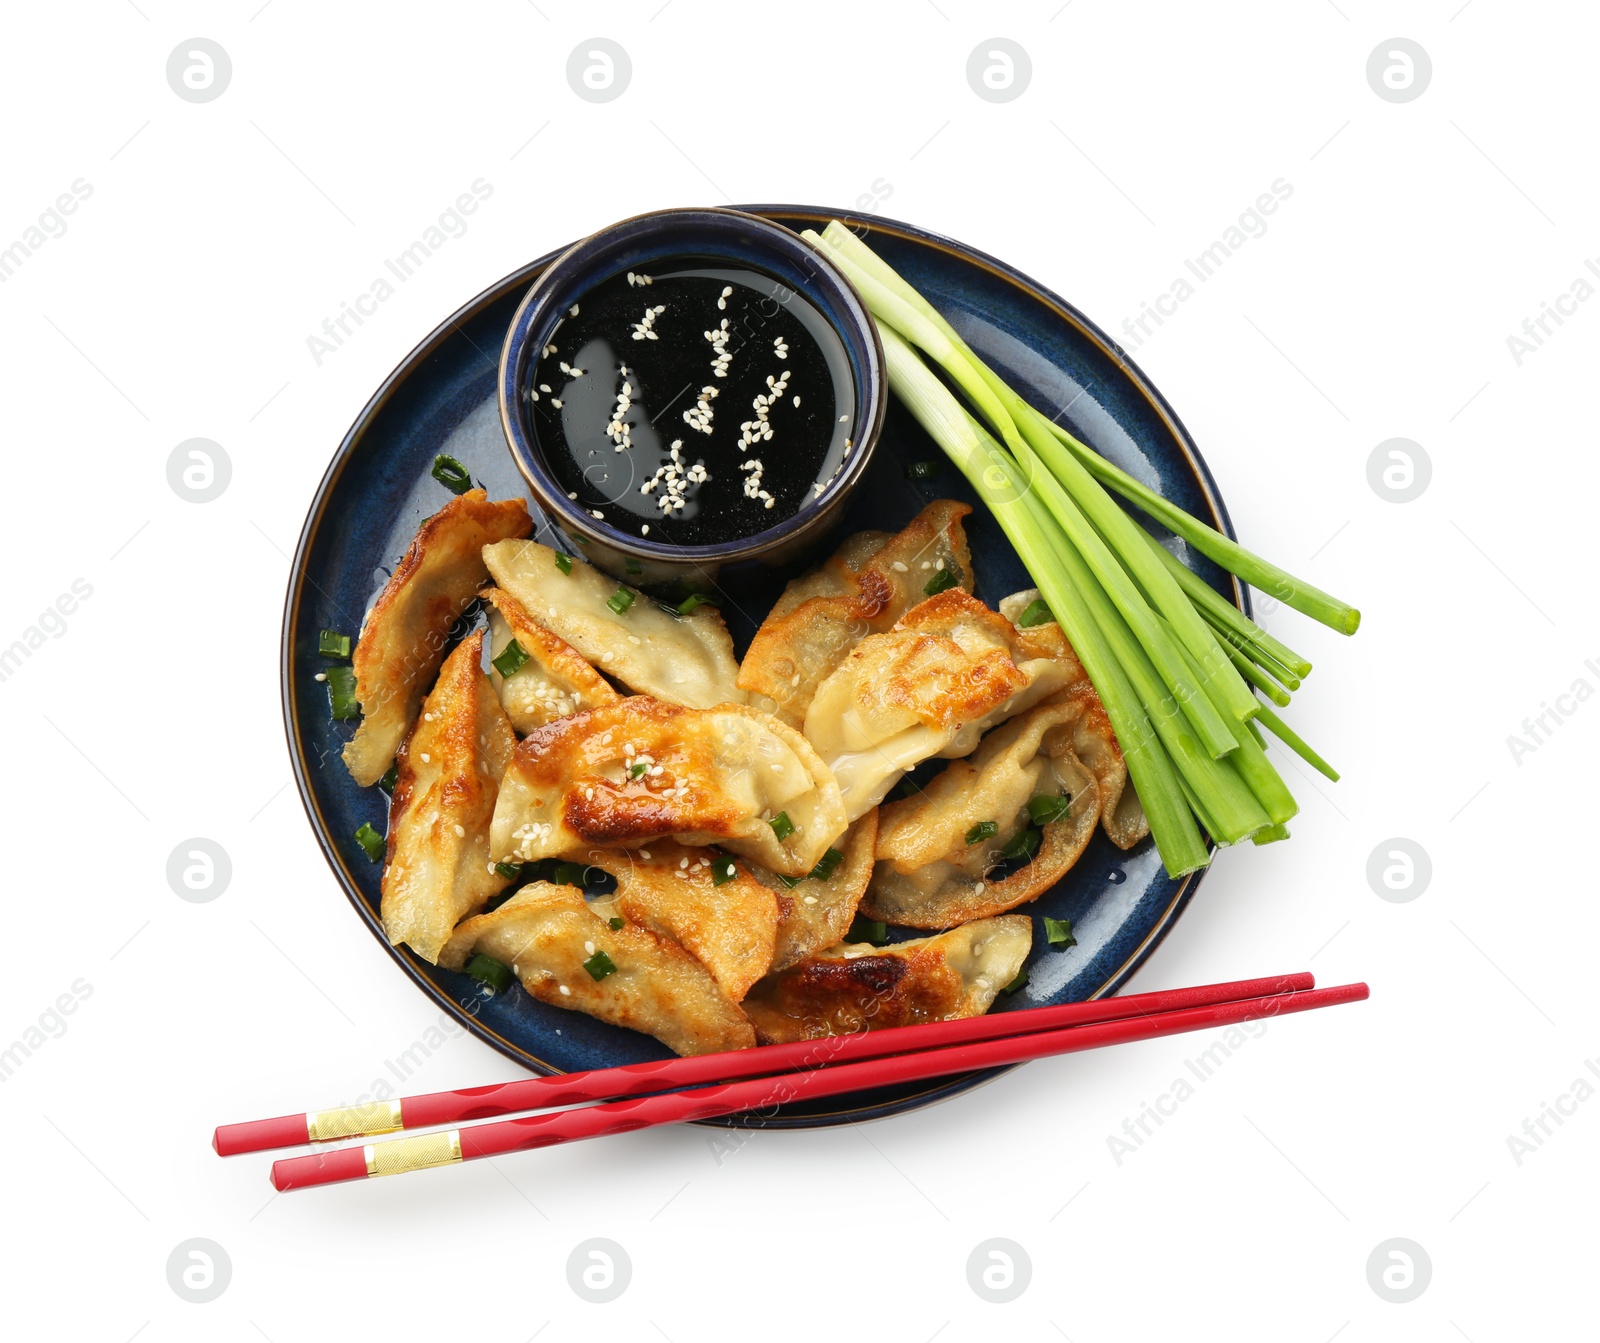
x=321, y=676
x=565, y=991
x=461, y=832
x=428, y=760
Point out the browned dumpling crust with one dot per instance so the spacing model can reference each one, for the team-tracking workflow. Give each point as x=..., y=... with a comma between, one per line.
x=816, y=911
x=549, y=937
x=1121, y=814
x=403, y=636
x=447, y=775
x=639, y=770
x=948, y=671
x=929, y=875
x=873, y=580
x=720, y=915
x=857, y=987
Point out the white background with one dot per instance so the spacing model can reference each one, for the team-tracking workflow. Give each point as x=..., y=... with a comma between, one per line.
x=218, y=237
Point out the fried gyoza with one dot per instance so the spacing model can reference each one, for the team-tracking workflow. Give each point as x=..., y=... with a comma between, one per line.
x=553, y=682
x=817, y=910
x=929, y=876
x=684, y=660
x=856, y=987
x=948, y=671
x=438, y=869
x=729, y=926
x=1121, y=814
x=552, y=941
x=873, y=580
x=638, y=770
x=403, y=636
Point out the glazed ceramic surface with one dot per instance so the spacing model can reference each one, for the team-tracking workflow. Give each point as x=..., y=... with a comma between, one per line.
x=443, y=398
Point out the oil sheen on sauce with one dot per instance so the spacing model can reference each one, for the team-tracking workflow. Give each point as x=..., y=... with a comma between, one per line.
x=697, y=405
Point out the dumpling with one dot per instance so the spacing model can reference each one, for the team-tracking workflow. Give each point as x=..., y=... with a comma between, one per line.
x=948, y=671
x=873, y=580
x=817, y=909
x=929, y=875
x=1121, y=813
x=638, y=770
x=684, y=660
x=729, y=926
x=553, y=682
x=857, y=987
x=438, y=869
x=568, y=956
x=403, y=636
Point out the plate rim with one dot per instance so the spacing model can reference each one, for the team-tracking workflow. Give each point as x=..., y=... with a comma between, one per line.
x=940, y=1090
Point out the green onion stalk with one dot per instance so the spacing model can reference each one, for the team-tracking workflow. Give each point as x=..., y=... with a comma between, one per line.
x=1260, y=573
x=898, y=306
x=998, y=482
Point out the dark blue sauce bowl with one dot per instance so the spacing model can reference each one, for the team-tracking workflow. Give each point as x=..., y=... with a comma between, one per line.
x=640, y=244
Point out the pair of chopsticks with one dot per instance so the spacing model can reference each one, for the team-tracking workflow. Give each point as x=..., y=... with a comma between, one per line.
x=709, y=1086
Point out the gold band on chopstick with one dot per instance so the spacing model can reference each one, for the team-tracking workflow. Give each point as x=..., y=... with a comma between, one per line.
x=354, y=1121
x=402, y=1154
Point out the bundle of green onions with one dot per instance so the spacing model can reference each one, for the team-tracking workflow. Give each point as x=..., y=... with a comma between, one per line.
x=1175, y=663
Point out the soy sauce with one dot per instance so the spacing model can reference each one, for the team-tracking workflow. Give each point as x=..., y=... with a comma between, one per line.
x=697, y=405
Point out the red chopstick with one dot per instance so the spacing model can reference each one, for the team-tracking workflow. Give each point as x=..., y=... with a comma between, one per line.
x=635, y=1079
x=623, y=1116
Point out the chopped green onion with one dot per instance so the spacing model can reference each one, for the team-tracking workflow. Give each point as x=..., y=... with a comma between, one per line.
x=922, y=470
x=332, y=644
x=371, y=842
x=512, y=657
x=563, y=562
x=789, y=883
x=599, y=966
x=827, y=865
x=510, y=871
x=634, y=771
x=863, y=929
x=1058, y=933
x=1037, y=613
x=390, y=778
x=495, y=901
x=1048, y=807
x=781, y=825
x=342, y=701
x=633, y=566
x=568, y=874
x=487, y=970
x=1270, y=834
x=1020, y=982
x=451, y=474
x=621, y=600
x=694, y=601
x=722, y=871
x=615, y=924
x=982, y=831
x=1024, y=844
x=942, y=581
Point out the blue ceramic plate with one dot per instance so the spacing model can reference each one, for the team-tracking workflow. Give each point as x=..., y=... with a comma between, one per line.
x=442, y=399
